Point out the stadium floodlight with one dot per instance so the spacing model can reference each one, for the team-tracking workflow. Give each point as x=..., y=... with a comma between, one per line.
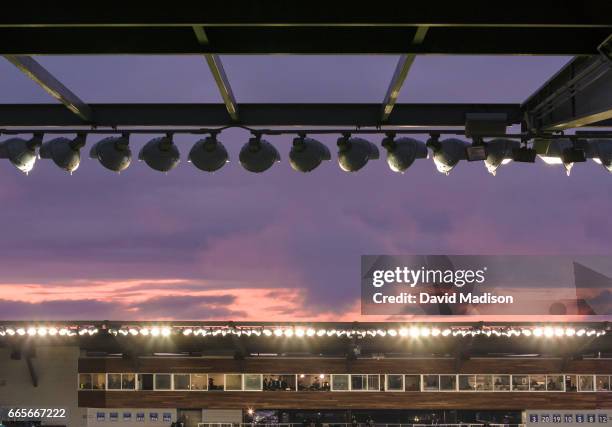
x=21, y=152
x=499, y=152
x=258, y=155
x=65, y=153
x=208, y=154
x=113, y=152
x=601, y=152
x=401, y=152
x=559, y=152
x=160, y=154
x=447, y=152
x=307, y=154
x=354, y=153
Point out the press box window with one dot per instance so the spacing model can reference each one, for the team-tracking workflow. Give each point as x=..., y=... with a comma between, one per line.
x=98, y=381
x=537, y=383
x=520, y=382
x=365, y=382
x=501, y=382
x=163, y=382
x=571, y=383
x=114, y=381
x=412, y=382
x=273, y=382
x=484, y=382
x=554, y=382
x=395, y=382
x=310, y=382
x=128, y=381
x=233, y=382
x=585, y=382
x=252, y=382
x=216, y=382
x=85, y=382
x=182, y=382
x=448, y=383
x=602, y=383
x=431, y=383
x=467, y=382
x=145, y=381
x=199, y=382
x=340, y=382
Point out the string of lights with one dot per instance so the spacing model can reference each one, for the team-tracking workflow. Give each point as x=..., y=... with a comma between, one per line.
x=155, y=331
x=306, y=154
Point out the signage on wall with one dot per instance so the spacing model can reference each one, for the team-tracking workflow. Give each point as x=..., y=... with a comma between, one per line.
x=568, y=417
x=113, y=416
x=100, y=416
x=154, y=416
x=167, y=417
x=127, y=416
x=140, y=416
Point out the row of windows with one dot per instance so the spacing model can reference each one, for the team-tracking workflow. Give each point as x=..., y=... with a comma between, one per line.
x=344, y=382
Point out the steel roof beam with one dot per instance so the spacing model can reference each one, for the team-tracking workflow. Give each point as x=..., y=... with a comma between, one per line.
x=206, y=115
x=399, y=75
x=580, y=94
x=49, y=83
x=301, y=40
x=218, y=72
x=588, y=13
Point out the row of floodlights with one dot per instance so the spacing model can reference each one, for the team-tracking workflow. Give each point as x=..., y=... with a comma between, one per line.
x=43, y=331
x=258, y=155
x=413, y=332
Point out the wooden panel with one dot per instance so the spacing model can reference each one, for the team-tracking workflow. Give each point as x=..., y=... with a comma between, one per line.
x=344, y=400
x=336, y=366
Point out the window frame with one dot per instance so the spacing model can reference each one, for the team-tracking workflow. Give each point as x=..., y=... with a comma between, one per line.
x=191, y=375
x=396, y=390
x=244, y=382
x=108, y=382
x=163, y=389
x=174, y=382
x=348, y=382
x=232, y=374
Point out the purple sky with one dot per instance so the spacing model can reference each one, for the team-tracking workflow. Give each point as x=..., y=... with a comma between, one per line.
x=279, y=245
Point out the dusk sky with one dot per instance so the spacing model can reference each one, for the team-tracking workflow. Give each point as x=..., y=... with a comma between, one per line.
x=279, y=245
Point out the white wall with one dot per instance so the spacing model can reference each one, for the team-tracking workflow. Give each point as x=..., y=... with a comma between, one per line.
x=222, y=415
x=56, y=368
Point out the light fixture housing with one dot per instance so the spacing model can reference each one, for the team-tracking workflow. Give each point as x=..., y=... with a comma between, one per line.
x=113, y=152
x=65, y=153
x=499, y=152
x=307, y=154
x=21, y=152
x=258, y=155
x=208, y=154
x=354, y=153
x=551, y=151
x=160, y=154
x=402, y=152
x=447, y=152
x=601, y=152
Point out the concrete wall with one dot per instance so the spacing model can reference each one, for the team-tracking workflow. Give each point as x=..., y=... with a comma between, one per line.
x=56, y=369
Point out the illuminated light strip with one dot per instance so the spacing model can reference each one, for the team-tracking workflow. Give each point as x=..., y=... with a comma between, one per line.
x=413, y=332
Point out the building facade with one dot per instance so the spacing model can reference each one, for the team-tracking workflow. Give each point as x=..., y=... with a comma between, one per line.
x=280, y=379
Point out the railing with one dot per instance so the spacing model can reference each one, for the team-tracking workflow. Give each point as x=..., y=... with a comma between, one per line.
x=306, y=424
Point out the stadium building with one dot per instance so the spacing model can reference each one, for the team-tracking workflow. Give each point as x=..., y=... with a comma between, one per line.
x=104, y=374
